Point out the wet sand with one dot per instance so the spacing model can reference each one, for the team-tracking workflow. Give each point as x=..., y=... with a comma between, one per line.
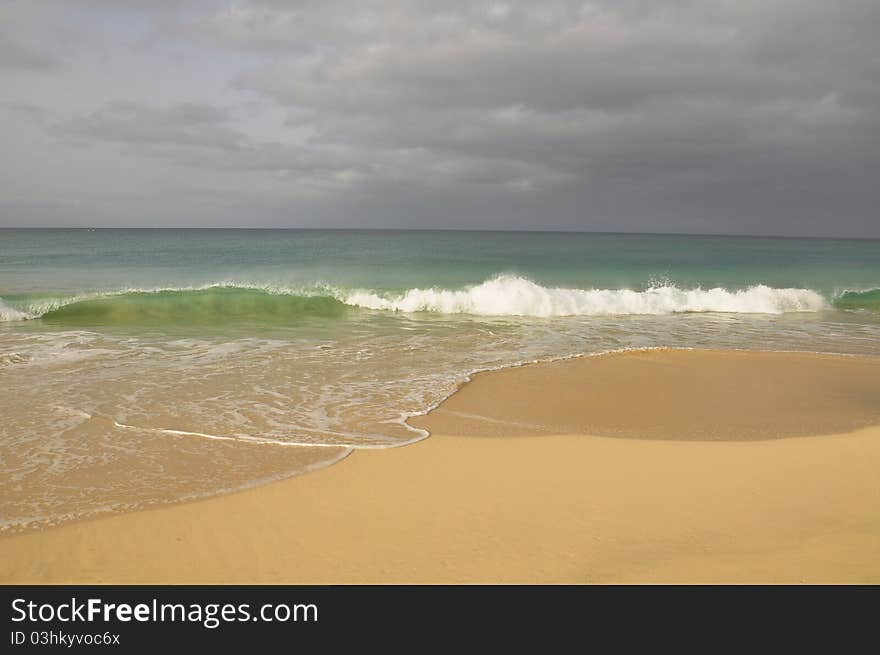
x=526, y=479
x=670, y=394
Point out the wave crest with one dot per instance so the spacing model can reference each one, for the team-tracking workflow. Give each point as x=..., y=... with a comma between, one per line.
x=509, y=295
x=203, y=306
x=858, y=299
x=505, y=295
x=8, y=313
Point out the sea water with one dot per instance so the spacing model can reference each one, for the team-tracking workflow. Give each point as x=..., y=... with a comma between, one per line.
x=148, y=366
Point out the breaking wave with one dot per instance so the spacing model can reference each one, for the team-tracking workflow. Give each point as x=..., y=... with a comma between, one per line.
x=866, y=299
x=517, y=296
x=505, y=295
x=196, y=306
x=8, y=313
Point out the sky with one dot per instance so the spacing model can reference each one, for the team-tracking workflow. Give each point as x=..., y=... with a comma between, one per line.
x=712, y=116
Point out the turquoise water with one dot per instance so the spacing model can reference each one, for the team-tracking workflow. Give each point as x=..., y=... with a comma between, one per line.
x=147, y=366
x=76, y=261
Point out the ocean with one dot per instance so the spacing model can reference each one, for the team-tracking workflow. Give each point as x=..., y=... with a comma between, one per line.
x=141, y=367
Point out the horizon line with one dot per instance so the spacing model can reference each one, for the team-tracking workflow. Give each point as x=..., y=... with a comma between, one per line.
x=427, y=229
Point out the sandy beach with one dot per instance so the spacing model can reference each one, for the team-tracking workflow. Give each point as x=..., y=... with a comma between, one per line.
x=642, y=467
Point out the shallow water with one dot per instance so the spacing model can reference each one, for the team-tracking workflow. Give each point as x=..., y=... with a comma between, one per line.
x=147, y=366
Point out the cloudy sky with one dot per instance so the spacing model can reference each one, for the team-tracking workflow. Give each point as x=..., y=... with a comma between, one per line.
x=717, y=116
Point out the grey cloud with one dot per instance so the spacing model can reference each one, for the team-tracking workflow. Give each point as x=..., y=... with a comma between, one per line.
x=187, y=125
x=17, y=55
x=630, y=114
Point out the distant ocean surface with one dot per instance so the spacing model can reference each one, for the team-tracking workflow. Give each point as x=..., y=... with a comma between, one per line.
x=140, y=367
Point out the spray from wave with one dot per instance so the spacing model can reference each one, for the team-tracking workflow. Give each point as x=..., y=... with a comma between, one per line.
x=8, y=313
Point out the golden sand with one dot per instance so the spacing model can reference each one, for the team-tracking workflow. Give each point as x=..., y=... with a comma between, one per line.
x=564, y=507
x=670, y=394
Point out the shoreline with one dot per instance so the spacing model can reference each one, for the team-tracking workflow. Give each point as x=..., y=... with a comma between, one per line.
x=504, y=389
x=421, y=433
x=527, y=505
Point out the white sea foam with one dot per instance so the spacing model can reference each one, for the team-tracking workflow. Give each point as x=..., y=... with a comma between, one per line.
x=516, y=296
x=8, y=313
x=504, y=295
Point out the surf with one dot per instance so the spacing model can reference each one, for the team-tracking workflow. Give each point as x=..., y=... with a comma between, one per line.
x=866, y=299
x=203, y=306
x=499, y=296
x=509, y=295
